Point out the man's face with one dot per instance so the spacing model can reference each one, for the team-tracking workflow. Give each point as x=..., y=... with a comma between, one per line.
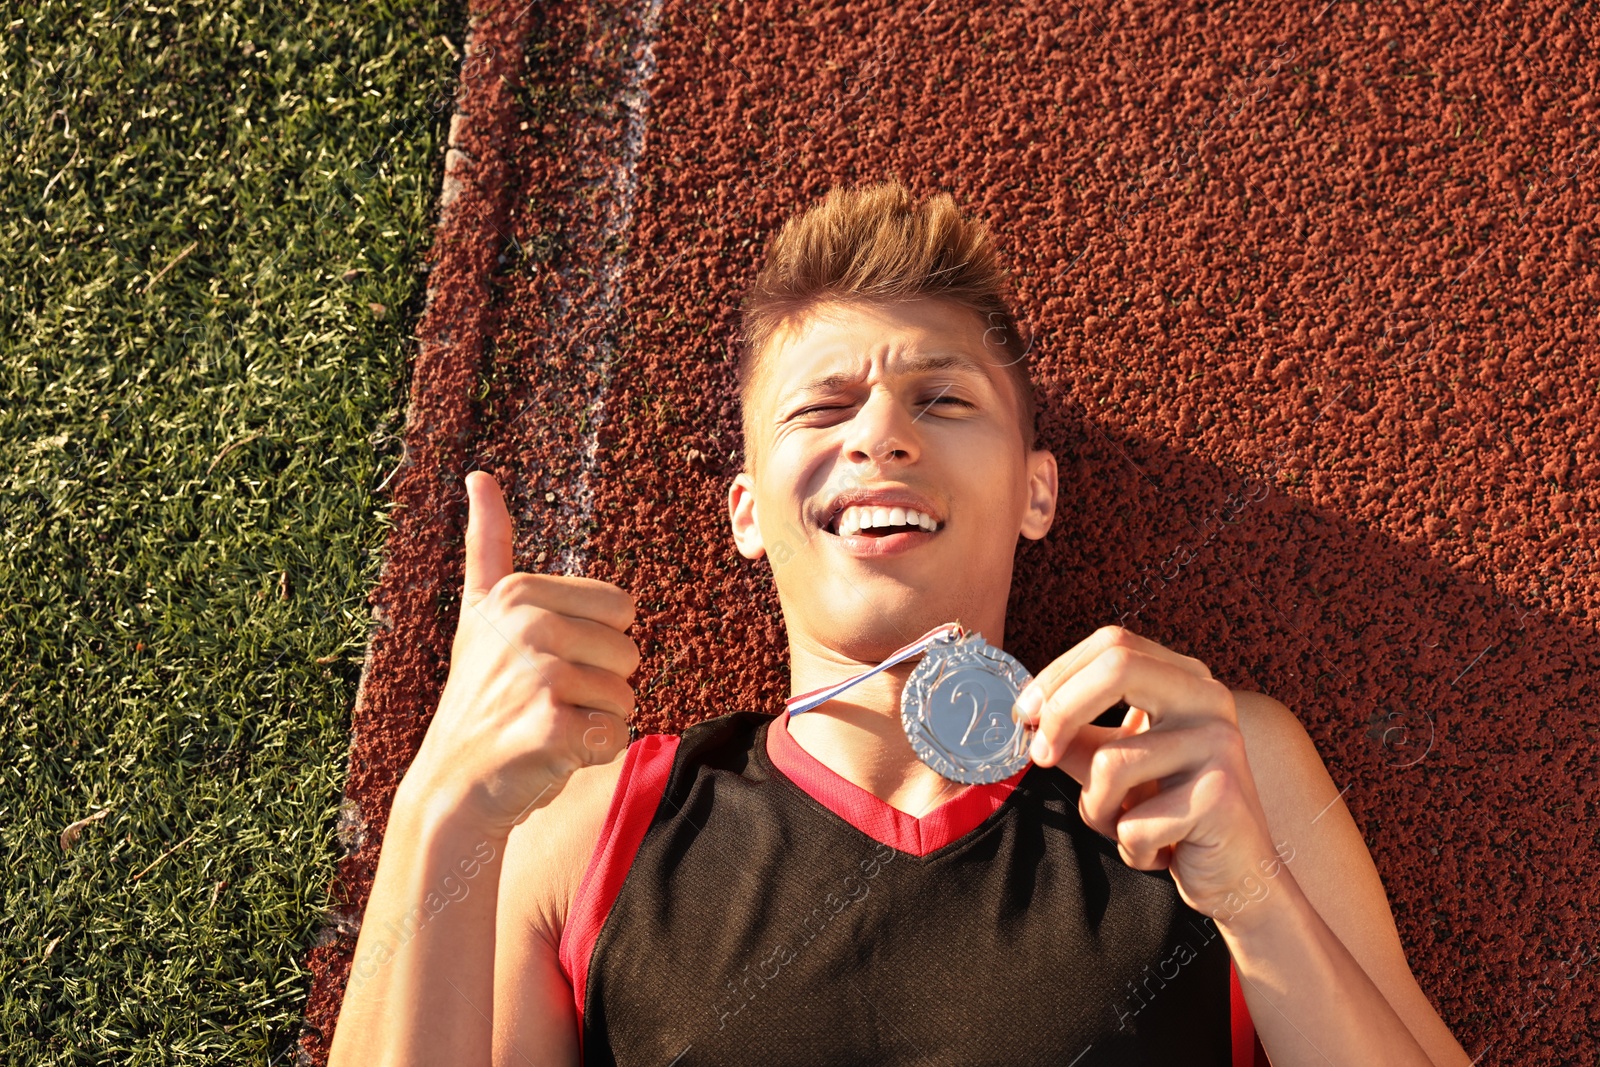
x=908, y=401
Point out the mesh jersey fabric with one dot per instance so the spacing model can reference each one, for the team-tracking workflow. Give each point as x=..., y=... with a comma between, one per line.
x=745, y=904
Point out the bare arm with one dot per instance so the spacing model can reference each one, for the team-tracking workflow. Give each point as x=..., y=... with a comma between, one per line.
x=1311, y=1001
x=421, y=984
x=487, y=935
x=535, y=1017
x=535, y=659
x=1330, y=898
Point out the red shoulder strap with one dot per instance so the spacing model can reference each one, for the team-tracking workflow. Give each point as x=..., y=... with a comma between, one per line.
x=1247, y=1050
x=645, y=767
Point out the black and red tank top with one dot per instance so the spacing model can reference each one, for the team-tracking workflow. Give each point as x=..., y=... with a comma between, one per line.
x=746, y=905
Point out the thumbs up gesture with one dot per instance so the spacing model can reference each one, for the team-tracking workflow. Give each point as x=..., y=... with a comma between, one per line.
x=538, y=681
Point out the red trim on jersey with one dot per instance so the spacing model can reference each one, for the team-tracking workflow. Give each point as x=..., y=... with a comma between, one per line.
x=643, y=779
x=1247, y=1050
x=876, y=818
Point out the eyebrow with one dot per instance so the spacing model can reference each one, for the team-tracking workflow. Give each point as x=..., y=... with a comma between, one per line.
x=911, y=365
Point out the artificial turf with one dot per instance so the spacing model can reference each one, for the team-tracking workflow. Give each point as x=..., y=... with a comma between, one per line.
x=212, y=225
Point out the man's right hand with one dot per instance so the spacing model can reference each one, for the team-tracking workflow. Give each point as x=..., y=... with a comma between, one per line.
x=538, y=681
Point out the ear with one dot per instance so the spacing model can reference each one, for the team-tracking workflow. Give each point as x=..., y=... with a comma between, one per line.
x=1041, y=511
x=742, y=516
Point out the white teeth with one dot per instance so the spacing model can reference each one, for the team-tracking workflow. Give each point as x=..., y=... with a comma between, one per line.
x=853, y=520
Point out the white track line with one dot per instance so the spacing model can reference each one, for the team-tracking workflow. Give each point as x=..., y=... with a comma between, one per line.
x=613, y=233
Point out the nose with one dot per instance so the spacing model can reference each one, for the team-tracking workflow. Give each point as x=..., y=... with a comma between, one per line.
x=882, y=430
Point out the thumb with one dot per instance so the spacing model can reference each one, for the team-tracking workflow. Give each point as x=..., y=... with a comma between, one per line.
x=488, y=536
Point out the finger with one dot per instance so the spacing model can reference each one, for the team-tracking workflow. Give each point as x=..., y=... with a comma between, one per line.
x=1170, y=694
x=576, y=640
x=1137, y=721
x=569, y=737
x=1147, y=834
x=1082, y=747
x=1124, y=772
x=1070, y=662
x=603, y=737
x=575, y=684
x=488, y=537
x=1134, y=720
x=578, y=598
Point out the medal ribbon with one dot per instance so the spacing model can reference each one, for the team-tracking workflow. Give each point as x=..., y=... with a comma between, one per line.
x=950, y=631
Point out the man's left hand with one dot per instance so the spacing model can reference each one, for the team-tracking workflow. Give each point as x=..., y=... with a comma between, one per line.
x=1171, y=786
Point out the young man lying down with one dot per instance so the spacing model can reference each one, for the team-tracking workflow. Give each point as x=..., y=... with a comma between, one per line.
x=814, y=883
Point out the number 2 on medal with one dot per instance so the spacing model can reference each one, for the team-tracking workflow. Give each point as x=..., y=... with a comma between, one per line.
x=976, y=709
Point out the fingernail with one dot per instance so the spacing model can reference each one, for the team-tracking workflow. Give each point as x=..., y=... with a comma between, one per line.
x=1027, y=704
x=1040, y=749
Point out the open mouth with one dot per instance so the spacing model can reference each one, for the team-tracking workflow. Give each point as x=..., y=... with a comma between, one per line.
x=881, y=522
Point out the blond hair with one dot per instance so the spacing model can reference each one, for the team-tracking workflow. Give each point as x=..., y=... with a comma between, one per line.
x=879, y=245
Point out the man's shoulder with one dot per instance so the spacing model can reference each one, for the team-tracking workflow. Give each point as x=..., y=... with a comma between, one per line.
x=548, y=852
x=1290, y=776
x=1264, y=719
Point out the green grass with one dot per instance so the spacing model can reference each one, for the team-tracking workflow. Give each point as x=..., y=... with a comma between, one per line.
x=189, y=505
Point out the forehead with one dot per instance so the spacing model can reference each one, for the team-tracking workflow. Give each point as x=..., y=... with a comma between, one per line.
x=838, y=342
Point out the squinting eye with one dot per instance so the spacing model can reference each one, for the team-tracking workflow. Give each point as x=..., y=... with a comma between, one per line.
x=835, y=407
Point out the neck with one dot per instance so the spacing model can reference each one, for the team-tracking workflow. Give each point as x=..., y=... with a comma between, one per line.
x=858, y=734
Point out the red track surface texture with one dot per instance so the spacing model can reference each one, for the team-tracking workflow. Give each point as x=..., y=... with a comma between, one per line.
x=1313, y=290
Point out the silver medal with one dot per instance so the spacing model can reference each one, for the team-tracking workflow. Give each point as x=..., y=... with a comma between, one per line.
x=956, y=711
